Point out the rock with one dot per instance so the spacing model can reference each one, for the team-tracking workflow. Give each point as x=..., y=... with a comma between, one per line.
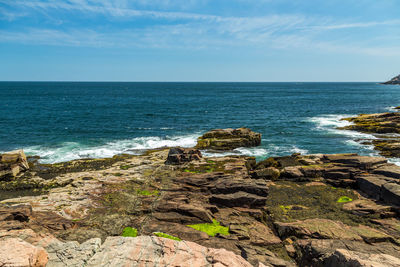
x=364, y=207
x=229, y=186
x=294, y=172
x=65, y=254
x=391, y=193
x=155, y=251
x=179, y=155
x=18, y=253
x=395, y=80
x=238, y=199
x=392, y=171
x=19, y=213
x=228, y=139
x=269, y=173
x=354, y=160
x=371, y=185
x=344, y=253
x=12, y=163
x=343, y=257
x=327, y=229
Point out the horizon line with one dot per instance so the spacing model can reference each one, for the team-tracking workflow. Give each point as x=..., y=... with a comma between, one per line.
x=94, y=81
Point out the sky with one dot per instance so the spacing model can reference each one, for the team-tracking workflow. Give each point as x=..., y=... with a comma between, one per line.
x=199, y=40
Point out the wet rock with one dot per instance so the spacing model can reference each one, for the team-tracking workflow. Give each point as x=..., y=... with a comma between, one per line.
x=12, y=163
x=16, y=252
x=145, y=250
x=228, y=139
x=179, y=155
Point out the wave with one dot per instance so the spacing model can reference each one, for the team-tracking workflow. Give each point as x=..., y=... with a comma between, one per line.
x=73, y=150
x=330, y=123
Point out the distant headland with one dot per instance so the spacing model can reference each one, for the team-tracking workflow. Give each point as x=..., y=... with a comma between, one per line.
x=395, y=80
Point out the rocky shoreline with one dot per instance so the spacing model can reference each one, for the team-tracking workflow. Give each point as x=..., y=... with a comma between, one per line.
x=186, y=209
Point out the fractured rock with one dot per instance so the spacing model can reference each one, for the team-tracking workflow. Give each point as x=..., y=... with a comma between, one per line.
x=179, y=155
x=228, y=139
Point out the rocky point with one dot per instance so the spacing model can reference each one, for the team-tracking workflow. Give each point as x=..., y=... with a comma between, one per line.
x=175, y=207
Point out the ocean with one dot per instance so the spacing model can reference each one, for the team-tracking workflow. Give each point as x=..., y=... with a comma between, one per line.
x=61, y=121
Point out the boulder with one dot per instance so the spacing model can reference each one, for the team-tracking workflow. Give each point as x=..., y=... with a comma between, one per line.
x=179, y=155
x=228, y=139
x=156, y=251
x=269, y=173
x=12, y=163
x=15, y=252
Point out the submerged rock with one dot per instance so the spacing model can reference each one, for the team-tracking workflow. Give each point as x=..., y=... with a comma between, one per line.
x=228, y=139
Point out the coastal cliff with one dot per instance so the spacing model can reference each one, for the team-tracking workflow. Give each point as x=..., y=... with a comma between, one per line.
x=395, y=80
x=177, y=206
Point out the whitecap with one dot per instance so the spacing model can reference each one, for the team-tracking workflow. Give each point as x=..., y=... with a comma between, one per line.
x=330, y=123
x=74, y=150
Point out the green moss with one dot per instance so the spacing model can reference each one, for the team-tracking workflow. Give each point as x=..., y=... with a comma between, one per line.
x=289, y=202
x=147, y=192
x=118, y=174
x=344, y=199
x=211, y=228
x=285, y=208
x=159, y=234
x=125, y=167
x=129, y=232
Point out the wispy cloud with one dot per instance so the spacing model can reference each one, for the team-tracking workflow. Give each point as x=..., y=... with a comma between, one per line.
x=183, y=30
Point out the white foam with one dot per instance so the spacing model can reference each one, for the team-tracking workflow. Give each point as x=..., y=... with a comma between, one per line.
x=73, y=150
x=330, y=123
x=394, y=161
x=295, y=149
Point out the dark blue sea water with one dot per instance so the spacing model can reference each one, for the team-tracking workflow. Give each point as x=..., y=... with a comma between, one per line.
x=61, y=121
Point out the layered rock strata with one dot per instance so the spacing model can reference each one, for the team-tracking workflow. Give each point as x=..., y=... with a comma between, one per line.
x=298, y=210
x=228, y=139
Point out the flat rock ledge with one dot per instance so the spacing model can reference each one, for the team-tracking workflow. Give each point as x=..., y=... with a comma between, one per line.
x=297, y=210
x=45, y=250
x=228, y=139
x=384, y=126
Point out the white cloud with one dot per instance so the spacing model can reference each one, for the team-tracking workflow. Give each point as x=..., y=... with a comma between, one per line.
x=186, y=30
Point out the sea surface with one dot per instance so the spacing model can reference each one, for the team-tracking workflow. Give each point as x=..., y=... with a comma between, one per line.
x=61, y=121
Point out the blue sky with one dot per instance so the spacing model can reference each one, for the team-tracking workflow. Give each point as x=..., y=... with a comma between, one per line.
x=199, y=40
